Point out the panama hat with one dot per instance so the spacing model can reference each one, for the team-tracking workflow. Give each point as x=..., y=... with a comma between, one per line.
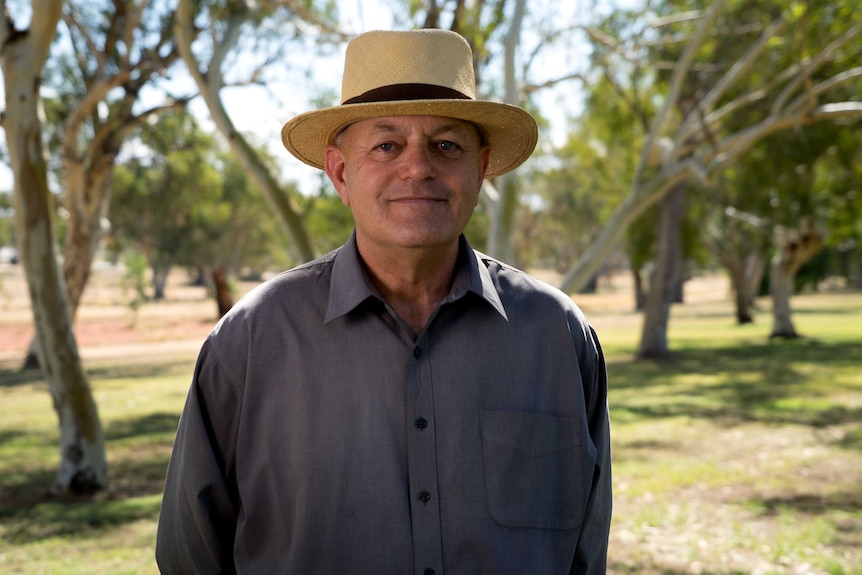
x=413, y=73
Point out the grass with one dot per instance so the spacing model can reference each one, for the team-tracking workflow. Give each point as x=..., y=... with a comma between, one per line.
x=739, y=455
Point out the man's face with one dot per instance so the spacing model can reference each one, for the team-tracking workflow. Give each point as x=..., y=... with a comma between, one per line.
x=410, y=181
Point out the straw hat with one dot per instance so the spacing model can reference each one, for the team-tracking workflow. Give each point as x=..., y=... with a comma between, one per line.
x=420, y=72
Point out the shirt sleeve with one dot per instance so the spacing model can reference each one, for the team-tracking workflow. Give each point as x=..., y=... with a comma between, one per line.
x=199, y=509
x=592, y=549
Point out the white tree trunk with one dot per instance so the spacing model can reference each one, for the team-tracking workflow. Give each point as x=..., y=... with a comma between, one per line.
x=503, y=212
x=83, y=465
x=663, y=280
x=793, y=250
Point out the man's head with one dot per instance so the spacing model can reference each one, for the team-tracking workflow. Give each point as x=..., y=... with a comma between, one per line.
x=415, y=73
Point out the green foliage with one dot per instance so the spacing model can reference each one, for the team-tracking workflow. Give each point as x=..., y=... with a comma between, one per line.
x=135, y=281
x=189, y=204
x=588, y=176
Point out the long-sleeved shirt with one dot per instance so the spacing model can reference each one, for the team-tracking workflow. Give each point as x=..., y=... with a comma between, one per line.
x=321, y=435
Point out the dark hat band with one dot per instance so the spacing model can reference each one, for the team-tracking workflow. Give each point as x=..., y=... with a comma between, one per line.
x=398, y=92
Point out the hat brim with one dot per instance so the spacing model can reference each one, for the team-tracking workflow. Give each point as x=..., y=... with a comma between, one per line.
x=510, y=132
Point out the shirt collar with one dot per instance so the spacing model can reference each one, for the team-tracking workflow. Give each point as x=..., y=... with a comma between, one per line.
x=349, y=286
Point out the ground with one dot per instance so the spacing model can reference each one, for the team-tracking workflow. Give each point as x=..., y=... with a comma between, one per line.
x=740, y=491
x=107, y=324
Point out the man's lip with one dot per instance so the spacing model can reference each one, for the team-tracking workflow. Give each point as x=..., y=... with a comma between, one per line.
x=417, y=199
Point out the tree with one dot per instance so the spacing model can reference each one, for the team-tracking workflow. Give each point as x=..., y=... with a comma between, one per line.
x=186, y=202
x=83, y=465
x=157, y=193
x=703, y=141
x=118, y=48
x=225, y=23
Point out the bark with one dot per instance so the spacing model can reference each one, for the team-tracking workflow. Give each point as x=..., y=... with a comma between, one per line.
x=503, y=211
x=83, y=465
x=736, y=271
x=754, y=266
x=223, y=292
x=664, y=276
x=793, y=250
x=160, y=280
x=640, y=292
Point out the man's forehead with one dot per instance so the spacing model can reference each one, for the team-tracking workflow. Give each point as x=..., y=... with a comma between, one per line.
x=434, y=125
x=398, y=123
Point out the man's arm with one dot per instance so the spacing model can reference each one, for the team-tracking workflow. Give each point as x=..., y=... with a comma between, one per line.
x=199, y=507
x=592, y=549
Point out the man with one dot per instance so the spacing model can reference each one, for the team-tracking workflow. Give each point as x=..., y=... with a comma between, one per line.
x=403, y=404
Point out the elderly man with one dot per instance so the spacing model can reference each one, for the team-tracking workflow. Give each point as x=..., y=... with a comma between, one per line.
x=404, y=404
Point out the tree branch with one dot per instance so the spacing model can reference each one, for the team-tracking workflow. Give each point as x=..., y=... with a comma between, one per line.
x=676, y=83
x=740, y=67
x=812, y=66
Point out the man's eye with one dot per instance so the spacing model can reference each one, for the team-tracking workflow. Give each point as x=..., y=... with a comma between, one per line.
x=385, y=147
x=447, y=146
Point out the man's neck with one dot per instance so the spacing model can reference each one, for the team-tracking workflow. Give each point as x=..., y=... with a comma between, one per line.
x=412, y=281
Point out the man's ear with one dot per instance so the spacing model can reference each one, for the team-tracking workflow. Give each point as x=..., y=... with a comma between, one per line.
x=334, y=167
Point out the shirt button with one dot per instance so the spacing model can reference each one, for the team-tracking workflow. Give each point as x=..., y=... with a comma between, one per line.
x=424, y=496
x=429, y=571
x=421, y=423
x=417, y=352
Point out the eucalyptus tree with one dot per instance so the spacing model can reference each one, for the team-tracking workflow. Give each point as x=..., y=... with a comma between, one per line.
x=185, y=201
x=158, y=190
x=729, y=87
x=83, y=464
x=703, y=141
x=810, y=183
x=108, y=79
x=225, y=32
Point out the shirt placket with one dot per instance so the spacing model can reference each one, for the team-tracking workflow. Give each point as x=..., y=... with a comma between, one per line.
x=422, y=464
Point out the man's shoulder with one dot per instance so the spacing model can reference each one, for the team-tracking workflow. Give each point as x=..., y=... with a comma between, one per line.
x=305, y=285
x=512, y=282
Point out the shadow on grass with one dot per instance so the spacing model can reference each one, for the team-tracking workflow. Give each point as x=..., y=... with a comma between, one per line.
x=777, y=383
x=158, y=424
x=138, y=452
x=811, y=504
x=649, y=568
x=97, y=371
x=16, y=377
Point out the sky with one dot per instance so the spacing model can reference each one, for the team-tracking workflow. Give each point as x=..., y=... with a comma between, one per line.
x=261, y=113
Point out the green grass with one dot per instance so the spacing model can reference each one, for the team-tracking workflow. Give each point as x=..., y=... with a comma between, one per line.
x=739, y=455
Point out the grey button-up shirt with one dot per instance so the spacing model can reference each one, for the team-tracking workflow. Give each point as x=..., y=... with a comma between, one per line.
x=322, y=436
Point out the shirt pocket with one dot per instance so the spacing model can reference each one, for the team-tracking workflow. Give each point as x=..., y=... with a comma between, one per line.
x=532, y=469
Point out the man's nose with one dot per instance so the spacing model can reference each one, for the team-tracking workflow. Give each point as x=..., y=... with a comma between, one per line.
x=417, y=161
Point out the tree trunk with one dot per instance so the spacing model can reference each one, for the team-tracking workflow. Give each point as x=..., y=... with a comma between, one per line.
x=160, y=280
x=88, y=196
x=83, y=465
x=501, y=224
x=503, y=212
x=223, y=293
x=665, y=271
x=753, y=275
x=640, y=292
x=739, y=285
x=794, y=249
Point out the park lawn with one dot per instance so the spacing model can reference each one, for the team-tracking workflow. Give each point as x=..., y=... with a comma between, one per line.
x=739, y=455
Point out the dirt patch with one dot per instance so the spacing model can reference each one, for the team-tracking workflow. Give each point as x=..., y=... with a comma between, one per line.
x=107, y=325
